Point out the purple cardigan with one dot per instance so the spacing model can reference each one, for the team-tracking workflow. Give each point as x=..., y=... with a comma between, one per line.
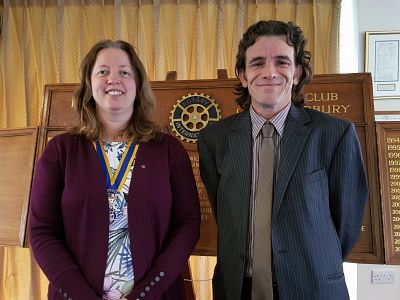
x=69, y=219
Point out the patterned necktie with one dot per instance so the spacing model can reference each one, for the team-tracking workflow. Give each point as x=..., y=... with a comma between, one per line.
x=262, y=267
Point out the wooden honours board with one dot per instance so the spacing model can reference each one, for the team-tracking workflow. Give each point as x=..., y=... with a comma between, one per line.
x=185, y=107
x=389, y=165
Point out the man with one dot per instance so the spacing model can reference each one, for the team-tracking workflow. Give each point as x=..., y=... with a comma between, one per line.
x=319, y=182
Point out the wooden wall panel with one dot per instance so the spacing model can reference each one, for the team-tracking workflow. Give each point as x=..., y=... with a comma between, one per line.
x=347, y=96
x=17, y=153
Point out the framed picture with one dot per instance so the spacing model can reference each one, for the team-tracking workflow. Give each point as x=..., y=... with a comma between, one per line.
x=382, y=60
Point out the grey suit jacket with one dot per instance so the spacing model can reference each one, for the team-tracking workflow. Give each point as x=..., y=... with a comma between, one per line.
x=319, y=199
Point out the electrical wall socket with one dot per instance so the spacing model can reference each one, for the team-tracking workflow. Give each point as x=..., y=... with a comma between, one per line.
x=383, y=275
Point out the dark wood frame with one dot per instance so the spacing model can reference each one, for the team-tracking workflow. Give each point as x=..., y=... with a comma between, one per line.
x=384, y=130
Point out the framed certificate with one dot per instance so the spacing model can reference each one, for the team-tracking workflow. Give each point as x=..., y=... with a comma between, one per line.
x=383, y=62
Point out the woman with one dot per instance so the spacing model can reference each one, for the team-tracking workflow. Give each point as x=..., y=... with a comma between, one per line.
x=114, y=207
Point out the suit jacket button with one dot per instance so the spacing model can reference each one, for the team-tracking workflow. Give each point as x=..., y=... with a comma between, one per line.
x=147, y=288
x=65, y=295
x=161, y=274
x=152, y=283
x=157, y=279
x=142, y=294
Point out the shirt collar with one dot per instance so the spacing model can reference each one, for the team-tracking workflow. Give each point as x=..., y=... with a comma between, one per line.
x=278, y=120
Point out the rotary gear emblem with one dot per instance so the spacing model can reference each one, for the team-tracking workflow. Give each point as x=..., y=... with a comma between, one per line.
x=191, y=114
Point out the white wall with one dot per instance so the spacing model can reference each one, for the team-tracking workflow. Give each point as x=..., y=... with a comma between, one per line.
x=377, y=15
x=385, y=291
x=374, y=15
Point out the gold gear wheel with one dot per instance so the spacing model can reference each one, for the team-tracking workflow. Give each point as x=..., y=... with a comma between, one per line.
x=195, y=111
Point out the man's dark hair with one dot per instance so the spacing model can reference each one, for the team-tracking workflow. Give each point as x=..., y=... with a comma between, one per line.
x=294, y=37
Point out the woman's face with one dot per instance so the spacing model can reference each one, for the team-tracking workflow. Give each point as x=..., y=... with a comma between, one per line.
x=113, y=84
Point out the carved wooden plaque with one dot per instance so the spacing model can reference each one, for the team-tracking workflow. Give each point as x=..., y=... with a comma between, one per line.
x=389, y=169
x=17, y=153
x=185, y=107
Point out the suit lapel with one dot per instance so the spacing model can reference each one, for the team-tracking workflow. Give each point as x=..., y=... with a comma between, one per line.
x=297, y=130
x=239, y=142
x=240, y=146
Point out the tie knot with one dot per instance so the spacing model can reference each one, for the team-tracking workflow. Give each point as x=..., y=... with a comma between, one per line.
x=268, y=130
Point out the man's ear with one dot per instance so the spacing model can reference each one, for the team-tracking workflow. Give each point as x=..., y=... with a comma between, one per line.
x=243, y=78
x=297, y=74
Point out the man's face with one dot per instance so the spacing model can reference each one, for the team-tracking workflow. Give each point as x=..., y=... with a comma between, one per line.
x=270, y=74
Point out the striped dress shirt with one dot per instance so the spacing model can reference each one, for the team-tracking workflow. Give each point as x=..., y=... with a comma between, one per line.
x=257, y=122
